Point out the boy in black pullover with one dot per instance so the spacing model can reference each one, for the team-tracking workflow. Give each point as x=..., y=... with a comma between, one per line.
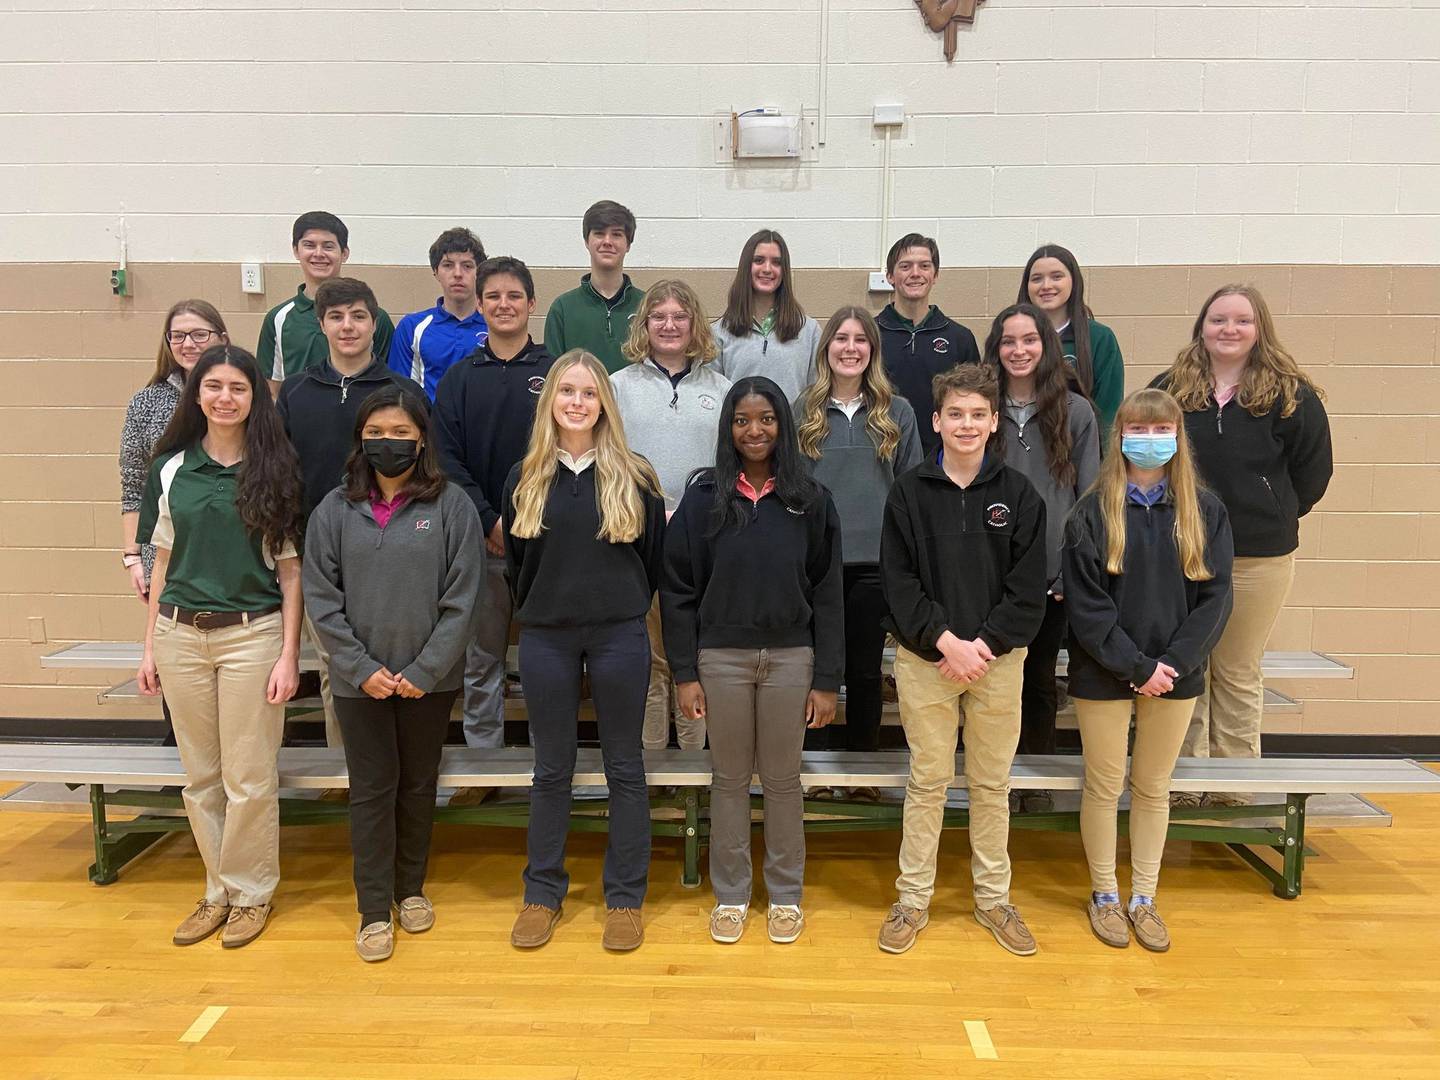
x=318, y=406
x=962, y=564
x=484, y=407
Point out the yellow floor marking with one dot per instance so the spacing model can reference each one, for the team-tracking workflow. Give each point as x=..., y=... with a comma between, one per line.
x=980, y=1042
x=206, y=1020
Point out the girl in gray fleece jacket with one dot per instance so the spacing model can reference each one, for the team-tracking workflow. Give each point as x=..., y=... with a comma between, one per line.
x=669, y=402
x=393, y=565
x=1049, y=433
x=764, y=330
x=860, y=434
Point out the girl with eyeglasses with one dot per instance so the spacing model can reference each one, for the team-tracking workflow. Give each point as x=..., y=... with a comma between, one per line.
x=191, y=327
x=669, y=399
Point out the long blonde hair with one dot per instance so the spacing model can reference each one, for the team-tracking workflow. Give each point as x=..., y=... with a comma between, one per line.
x=620, y=473
x=702, y=347
x=875, y=388
x=1271, y=374
x=1153, y=407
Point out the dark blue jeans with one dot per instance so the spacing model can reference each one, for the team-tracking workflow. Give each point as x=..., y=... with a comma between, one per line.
x=617, y=656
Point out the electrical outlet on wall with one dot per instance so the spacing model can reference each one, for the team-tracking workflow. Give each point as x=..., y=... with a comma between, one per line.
x=252, y=278
x=878, y=282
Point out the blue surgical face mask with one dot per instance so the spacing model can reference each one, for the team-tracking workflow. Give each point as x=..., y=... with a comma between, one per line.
x=1148, y=451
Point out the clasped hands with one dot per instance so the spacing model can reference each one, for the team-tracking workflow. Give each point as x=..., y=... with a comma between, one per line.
x=384, y=684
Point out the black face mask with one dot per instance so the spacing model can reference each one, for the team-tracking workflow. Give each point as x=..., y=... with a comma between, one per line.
x=391, y=457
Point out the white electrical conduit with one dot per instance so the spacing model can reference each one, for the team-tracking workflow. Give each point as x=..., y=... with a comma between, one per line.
x=824, y=69
x=885, y=201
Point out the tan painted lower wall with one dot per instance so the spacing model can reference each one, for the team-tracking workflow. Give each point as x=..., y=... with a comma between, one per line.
x=1367, y=589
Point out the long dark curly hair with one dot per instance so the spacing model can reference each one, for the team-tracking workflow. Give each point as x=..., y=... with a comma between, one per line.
x=267, y=491
x=1052, y=389
x=794, y=485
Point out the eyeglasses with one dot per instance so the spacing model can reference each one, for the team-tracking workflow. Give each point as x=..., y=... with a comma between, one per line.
x=200, y=337
x=656, y=319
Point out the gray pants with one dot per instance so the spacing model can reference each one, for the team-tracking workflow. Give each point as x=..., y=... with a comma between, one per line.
x=755, y=704
x=485, y=662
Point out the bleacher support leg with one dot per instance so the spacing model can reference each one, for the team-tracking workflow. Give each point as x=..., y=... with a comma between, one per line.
x=101, y=872
x=1294, y=853
x=690, y=876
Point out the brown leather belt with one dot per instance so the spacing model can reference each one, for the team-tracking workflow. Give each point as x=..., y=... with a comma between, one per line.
x=212, y=620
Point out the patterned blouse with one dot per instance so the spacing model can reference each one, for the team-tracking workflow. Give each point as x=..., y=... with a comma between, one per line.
x=146, y=418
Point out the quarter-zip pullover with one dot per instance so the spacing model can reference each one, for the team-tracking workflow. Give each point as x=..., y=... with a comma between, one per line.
x=404, y=597
x=1123, y=625
x=775, y=582
x=291, y=339
x=484, y=408
x=319, y=407
x=856, y=478
x=1269, y=470
x=583, y=319
x=969, y=560
x=671, y=421
x=914, y=355
x=791, y=364
x=567, y=576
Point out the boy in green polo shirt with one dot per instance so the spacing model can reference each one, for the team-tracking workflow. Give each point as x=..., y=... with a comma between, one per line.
x=597, y=315
x=290, y=337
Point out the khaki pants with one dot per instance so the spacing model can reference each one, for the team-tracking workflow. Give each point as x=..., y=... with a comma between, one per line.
x=659, y=707
x=229, y=738
x=1229, y=712
x=930, y=715
x=1160, y=725
x=333, y=738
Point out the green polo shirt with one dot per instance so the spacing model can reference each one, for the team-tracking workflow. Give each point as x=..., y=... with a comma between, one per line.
x=291, y=339
x=216, y=564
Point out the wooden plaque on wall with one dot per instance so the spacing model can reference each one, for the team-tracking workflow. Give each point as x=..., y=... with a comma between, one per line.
x=945, y=16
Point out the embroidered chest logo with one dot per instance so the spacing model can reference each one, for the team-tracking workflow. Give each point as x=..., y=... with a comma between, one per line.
x=940, y=345
x=537, y=383
x=706, y=402
x=481, y=336
x=423, y=525
x=997, y=515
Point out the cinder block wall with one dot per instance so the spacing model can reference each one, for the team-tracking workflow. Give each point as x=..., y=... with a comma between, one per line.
x=1172, y=144
x=1367, y=589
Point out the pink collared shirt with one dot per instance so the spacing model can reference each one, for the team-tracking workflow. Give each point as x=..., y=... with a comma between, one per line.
x=383, y=510
x=744, y=487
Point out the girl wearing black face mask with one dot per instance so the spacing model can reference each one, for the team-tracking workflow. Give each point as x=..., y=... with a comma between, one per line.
x=393, y=565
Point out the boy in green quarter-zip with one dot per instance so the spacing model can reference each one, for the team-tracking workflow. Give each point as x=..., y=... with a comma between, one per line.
x=596, y=316
x=290, y=337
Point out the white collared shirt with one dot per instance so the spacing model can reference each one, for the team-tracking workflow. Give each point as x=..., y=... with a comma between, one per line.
x=576, y=465
x=851, y=407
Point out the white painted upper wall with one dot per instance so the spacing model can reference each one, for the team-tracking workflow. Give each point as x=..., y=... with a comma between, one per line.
x=1145, y=132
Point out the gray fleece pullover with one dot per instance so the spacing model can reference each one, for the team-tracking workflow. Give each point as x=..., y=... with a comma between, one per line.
x=672, y=424
x=405, y=597
x=791, y=364
x=858, y=481
x=1025, y=451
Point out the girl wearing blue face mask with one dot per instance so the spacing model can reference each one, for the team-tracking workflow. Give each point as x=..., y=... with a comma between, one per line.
x=1146, y=561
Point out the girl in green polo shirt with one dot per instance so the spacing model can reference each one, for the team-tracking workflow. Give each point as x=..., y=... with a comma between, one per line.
x=222, y=508
x=1052, y=281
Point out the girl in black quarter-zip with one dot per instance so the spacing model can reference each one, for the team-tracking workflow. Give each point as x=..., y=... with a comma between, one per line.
x=753, y=611
x=584, y=520
x=393, y=566
x=1262, y=444
x=1147, y=563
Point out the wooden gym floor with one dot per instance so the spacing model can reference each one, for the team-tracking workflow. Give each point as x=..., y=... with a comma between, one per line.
x=1344, y=982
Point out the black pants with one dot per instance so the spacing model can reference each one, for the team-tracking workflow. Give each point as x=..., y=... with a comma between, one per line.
x=617, y=656
x=864, y=652
x=392, y=750
x=1038, y=697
